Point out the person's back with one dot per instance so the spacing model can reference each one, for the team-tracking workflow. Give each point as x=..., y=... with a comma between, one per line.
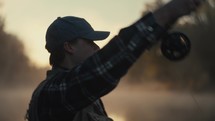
x=56, y=109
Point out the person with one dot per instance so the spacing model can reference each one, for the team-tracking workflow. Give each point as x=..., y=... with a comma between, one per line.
x=82, y=72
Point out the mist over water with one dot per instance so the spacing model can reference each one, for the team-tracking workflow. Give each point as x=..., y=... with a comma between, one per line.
x=136, y=104
x=128, y=103
x=154, y=89
x=13, y=104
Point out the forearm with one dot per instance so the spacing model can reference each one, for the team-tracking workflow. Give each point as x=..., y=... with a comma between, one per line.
x=164, y=17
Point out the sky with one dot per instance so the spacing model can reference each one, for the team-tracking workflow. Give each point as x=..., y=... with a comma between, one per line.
x=29, y=19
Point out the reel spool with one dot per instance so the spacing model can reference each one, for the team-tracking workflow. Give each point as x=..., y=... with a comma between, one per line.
x=175, y=46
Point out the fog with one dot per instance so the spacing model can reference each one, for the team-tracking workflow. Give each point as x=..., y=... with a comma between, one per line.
x=196, y=71
x=128, y=103
x=154, y=89
x=138, y=104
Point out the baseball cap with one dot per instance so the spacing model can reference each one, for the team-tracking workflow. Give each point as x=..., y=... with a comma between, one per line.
x=69, y=28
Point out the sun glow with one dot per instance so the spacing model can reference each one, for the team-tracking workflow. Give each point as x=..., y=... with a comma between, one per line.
x=31, y=20
x=117, y=117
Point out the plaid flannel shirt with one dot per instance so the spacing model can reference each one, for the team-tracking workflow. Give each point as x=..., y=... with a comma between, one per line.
x=66, y=92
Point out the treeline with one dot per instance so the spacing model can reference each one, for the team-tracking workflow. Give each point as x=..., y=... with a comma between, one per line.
x=196, y=71
x=16, y=70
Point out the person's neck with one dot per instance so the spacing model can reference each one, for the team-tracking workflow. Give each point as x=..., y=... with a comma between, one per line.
x=69, y=62
x=67, y=65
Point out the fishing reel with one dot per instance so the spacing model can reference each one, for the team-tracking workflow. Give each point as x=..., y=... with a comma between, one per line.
x=175, y=46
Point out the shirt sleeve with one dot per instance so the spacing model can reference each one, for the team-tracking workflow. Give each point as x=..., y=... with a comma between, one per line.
x=100, y=73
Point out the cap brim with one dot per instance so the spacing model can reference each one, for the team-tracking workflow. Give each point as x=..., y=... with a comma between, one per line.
x=97, y=35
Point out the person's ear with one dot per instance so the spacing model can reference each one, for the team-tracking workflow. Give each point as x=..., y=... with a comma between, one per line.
x=69, y=48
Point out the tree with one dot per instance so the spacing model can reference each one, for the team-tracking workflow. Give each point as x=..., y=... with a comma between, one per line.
x=16, y=68
x=197, y=70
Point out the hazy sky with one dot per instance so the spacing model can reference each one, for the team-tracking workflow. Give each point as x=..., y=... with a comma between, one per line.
x=29, y=19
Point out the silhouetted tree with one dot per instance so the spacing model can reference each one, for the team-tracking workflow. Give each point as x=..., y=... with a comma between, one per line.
x=15, y=67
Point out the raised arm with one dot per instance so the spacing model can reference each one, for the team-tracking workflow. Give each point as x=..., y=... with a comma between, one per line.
x=100, y=73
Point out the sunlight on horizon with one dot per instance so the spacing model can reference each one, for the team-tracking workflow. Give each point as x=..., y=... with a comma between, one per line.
x=117, y=117
x=28, y=20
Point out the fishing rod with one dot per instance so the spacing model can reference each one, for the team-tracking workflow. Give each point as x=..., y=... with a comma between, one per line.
x=175, y=46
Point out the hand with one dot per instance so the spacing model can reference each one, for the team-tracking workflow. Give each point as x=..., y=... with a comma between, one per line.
x=169, y=13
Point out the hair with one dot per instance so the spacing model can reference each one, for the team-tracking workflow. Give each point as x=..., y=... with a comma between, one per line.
x=57, y=56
